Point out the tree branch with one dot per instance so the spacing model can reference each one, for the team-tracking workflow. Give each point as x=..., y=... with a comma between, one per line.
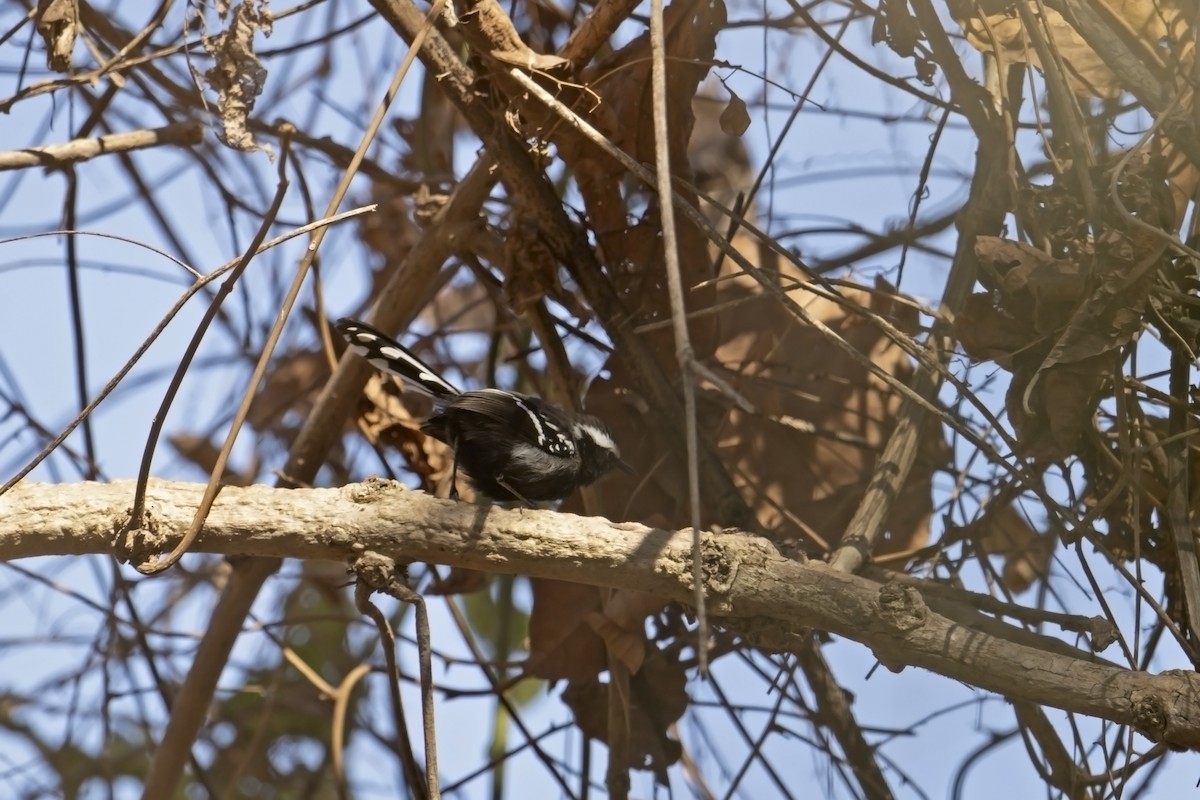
x=184, y=134
x=745, y=578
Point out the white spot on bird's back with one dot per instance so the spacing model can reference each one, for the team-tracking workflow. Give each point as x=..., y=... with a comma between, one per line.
x=537, y=422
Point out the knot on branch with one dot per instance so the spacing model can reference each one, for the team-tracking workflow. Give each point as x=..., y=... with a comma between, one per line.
x=720, y=566
x=1150, y=715
x=377, y=570
x=372, y=490
x=379, y=573
x=901, y=607
x=137, y=541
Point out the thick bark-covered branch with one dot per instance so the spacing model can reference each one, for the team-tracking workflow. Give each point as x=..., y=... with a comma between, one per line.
x=746, y=578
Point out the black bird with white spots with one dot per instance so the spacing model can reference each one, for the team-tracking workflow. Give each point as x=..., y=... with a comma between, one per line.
x=512, y=446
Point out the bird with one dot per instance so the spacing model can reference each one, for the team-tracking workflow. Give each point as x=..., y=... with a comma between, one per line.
x=512, y=446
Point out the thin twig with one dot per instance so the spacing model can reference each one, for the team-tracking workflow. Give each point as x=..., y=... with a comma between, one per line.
x=337, y=731
x=155, y=565
x=377, y=572
x=200, y=684
x=168, y=317
x=683, y=345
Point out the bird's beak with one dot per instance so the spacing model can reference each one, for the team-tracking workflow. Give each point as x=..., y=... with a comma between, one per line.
x=628, y=470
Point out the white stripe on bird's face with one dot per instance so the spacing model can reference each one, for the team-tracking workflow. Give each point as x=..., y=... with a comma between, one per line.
x=598, y=435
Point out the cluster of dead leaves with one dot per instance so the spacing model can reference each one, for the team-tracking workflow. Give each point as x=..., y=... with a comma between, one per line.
x=997, y=28
x=801, y=463
x=1058, y=314
x=1056, y=324
x=1156, y=32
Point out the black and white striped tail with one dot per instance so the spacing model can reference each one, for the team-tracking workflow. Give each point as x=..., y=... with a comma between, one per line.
x=386, y=354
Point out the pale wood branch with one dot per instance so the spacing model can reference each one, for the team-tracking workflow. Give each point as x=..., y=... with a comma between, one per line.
x=745, y=577
x=183, y=134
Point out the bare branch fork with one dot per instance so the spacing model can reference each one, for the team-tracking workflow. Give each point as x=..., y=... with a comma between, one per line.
x=747, y=581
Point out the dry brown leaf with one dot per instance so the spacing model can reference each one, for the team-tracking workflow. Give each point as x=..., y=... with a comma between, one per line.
x=288, y=389
x=802, y=462
x=561, y=644
x=238, y=77
x=386, y=421
x=1062, y=403
x=1112, y=314
x=988, y=333
x=735, y=119
x=1087, y=74
x=1004, y=532
x=1055, y=285
x=657, y=699
x=798, y=481
x=629, y=608
x=203, y=453
x=571, y=624
x=58, y=25
x=1148, y=20
x=459, y=581
x=627, y=646
x=1054, y=322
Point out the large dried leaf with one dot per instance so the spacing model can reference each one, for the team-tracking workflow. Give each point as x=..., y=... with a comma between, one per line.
x=58, y=25
x=238, y=76
x=657, y=699
x=1050, y=415
x=1004, y=532
x=1146, y=20
x=561, y=643
x=1055, y=324
x=387, y=422
x=573, y=628
x=289, y=390
x=625, y=113
x=1112, y=315
x=803, y=460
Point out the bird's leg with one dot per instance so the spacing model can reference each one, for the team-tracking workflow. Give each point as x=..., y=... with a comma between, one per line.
x=504, y=484
x=454, y=472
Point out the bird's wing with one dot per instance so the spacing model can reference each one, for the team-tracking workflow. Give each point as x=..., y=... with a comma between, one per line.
x=519, y=417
